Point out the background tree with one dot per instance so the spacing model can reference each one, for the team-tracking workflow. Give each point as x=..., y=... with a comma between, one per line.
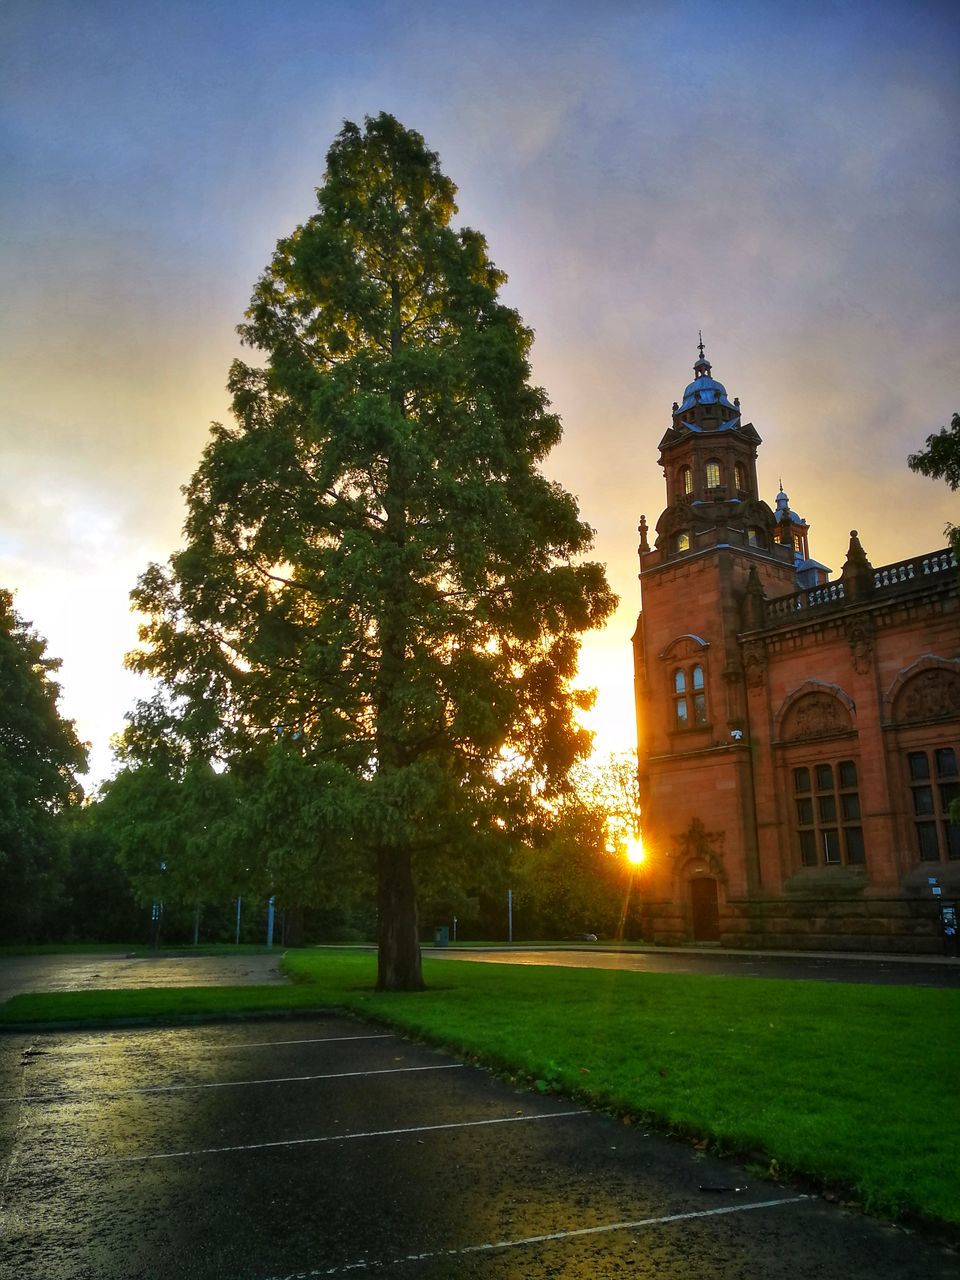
x=577, y=877
x=40, y=756
x=373, y=560
x=941, y=458
x=941, y=461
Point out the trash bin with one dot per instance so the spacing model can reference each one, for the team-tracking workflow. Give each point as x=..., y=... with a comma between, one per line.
x=441, y=935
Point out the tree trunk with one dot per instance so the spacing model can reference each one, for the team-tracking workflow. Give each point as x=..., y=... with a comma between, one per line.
x=398, y=949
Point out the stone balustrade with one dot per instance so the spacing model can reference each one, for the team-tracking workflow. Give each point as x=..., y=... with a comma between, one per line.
x=889, y=577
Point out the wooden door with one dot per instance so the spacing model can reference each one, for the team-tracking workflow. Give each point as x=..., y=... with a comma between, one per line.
x=706, y=910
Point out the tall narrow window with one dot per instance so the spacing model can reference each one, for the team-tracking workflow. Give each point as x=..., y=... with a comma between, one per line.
x=740, y=478
x=680, y=701
x=699, y=697
x=934, y=785
x=827, y=808
x=711, y=474
x=686, y=481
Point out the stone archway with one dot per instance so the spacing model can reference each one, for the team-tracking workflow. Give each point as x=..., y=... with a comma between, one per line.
x=705, y=909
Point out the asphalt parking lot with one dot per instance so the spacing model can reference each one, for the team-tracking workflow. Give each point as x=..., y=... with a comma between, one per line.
x=276, y=1149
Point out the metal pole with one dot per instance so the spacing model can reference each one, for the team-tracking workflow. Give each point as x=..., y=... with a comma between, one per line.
x=237, y=938
x=196, y=924
x=270, y=901
x=509, y=915
x=454, y=928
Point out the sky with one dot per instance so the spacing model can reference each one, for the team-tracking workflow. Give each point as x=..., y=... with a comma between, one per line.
x=788, y=183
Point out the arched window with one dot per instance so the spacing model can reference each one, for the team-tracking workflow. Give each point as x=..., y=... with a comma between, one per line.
x=740, y=478
x=686, y=481
x=689, y=698
x=712, y=474
x=679, y=700
x=699, y=698
x=683, y=541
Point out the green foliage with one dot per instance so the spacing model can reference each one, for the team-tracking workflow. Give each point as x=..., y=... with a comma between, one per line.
x=941, y=461
x=575, y=877
x=374, y=565
x=40, y=757
x=941, y=458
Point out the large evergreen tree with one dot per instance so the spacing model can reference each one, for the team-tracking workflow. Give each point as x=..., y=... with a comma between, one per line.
x=40, y=757
x=375, y=570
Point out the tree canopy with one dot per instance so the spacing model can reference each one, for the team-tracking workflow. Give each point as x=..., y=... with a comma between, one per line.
x=941, y=458
x=941, y=461
x=375, y=568
x=40, y=756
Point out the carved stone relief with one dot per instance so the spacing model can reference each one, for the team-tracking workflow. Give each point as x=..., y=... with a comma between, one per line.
x=928, y=696
x=698, y=846
x=860, y=632
x=754, y=663
x=815, y=715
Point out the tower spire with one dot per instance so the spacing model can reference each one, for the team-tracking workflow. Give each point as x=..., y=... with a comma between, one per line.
x=700, y=335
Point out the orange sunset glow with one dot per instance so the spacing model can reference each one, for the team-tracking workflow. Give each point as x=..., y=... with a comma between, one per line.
x=799, y=207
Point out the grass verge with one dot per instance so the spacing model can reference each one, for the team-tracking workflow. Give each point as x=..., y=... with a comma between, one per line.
x=850, y=1086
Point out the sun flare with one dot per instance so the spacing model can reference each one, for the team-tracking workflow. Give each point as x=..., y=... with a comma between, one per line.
x=635, y=852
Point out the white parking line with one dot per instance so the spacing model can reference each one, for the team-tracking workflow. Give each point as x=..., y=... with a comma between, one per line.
x=269, y=1044
x=338, y=1137
x=97, y=1094
x=209, y=1046
x=365, y=1264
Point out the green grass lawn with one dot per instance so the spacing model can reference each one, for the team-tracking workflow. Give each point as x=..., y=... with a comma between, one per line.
x=851, y=1086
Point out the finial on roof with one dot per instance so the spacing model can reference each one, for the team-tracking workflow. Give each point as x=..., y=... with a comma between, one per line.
x=700, y=335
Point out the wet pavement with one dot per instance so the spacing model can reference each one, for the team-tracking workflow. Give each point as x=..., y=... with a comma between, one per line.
x=111, y=970
x=914, y=971
x=273, y=1150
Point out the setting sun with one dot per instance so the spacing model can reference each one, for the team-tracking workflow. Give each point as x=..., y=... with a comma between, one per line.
x=634, y=850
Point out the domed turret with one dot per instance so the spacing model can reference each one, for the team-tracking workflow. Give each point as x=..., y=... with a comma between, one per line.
x=705, y=391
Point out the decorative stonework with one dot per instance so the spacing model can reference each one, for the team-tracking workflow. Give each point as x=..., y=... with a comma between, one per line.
x=816, y=715
x=701, y=847
x=683, y=647
x=860, y=632
x=754, y=663
x=929, y=696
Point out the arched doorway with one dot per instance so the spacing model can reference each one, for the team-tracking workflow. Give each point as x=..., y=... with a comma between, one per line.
x=705, y=905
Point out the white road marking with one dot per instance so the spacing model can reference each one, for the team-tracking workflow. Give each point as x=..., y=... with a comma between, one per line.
x=98, y=1094
x=210, y=1045
x=269, y=1044
x=338, y=1137
x=365, y=1264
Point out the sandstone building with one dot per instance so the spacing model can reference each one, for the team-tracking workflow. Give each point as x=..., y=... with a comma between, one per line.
x=799, y=736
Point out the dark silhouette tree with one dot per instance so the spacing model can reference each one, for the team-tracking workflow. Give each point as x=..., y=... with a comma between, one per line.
x=375, y=569
x=40, y=756
x=941, y=458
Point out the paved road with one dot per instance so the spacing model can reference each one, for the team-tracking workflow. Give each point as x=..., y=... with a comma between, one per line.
x=111, y=970
x=895, y=970
x=271, y=1151
x=88, y=972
